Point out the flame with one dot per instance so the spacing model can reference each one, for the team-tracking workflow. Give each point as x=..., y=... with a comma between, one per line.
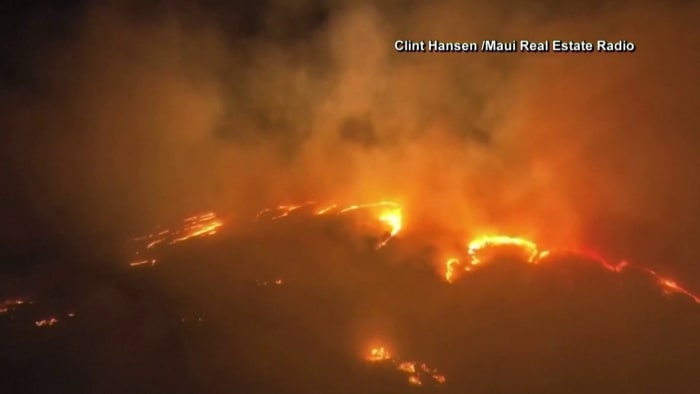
x=46, y=322
x=536, y=255
x=414, y=380
x=142, y=262
x=391, y=214
x=378, y=354
x=450, y=267
x=208, y=224
x=327, y=209
x=198, y=226
x=192, y=227
x=282, y=211
x=408, y=367
x=393, y=219
x=439, y=378
x=483, y=242
x=415, y=376
x=670, y=286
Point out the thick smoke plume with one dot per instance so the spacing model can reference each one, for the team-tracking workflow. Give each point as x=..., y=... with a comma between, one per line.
x=133, y=118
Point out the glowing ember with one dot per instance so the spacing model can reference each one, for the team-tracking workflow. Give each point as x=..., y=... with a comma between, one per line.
x=408, y=367
x=46, y=322
x=414, y=380
x=8, y=305
x=142, y=262
x=439, y=378
x=415, y=376
x=281, y=211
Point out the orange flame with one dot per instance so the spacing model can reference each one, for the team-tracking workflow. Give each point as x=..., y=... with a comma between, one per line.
x=414, y=375
x=535, y=255
x=483, y=242
x=192, y=227
x=439, y=378
x=327, y=209
x=408, y=367
x=282, y=211
x=390, y=214
x=378, y=354
x=450, y=269
x=414, y=380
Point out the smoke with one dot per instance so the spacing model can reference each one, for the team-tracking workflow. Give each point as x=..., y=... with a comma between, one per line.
x=136, y=118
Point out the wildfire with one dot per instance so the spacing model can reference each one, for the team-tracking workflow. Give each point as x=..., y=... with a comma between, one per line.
x=378, y=354
x=408, y=367
x=671, y=287
x=327, y=209
x=450, y=269
x=282, y=211
x=536, y=255
x=415, y=375
x=192, y=227
x=388, y=213
x=197, y=226
x=392, y=219
x=414, y=380
x=8, y=305
x=50, y=321
x=489, y=241
x=142, y=262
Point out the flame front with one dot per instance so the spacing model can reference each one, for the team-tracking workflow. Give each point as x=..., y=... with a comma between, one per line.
x=390, y=214
x=487, y=241
x=535, y=255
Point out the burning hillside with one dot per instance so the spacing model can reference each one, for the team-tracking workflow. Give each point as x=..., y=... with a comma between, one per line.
x=389, y=216
x=296, y=283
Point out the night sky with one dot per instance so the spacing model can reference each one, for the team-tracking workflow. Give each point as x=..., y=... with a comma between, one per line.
x=118, y=117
